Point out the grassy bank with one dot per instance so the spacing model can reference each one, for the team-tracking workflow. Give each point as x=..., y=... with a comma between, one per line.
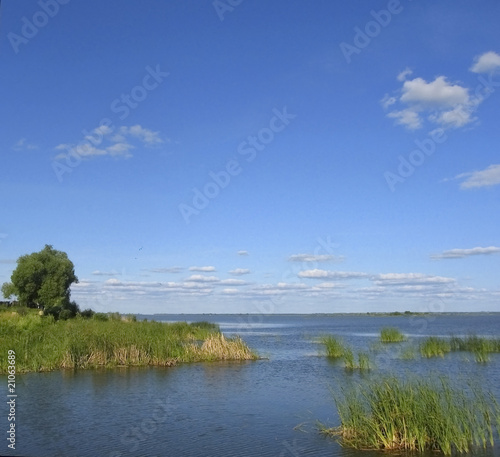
x=395, y=415
x=42, y=344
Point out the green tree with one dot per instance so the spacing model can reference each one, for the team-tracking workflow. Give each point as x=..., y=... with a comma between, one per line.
x=42, y=280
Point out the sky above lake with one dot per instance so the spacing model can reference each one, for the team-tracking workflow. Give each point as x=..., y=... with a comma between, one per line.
x=239, y=156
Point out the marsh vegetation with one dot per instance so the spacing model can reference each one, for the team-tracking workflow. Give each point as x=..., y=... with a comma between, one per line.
x=42, y=344
x=401, y=415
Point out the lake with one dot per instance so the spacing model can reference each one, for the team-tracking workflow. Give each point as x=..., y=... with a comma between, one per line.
x=267, y=407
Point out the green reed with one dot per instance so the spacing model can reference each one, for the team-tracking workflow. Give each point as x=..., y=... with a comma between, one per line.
x=391, y=335
x=418, y=415
x=42, y=344
x=334, y=346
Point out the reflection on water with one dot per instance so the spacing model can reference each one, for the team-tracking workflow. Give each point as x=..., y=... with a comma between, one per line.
x=263, y=408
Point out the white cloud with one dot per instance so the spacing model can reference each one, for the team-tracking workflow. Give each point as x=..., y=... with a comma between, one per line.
x=105, y=141
x=439, y=93
x=242, y=252
x=312, y=258
x=447, y=104
x=240, y=271
x=233, y=282
x=483, y=178
x=113, y=282
x=329, y=285
x=388, y=101
x=147, y=136
x=202, y=278
x=165, y=270
x=203, y=269
x=319, y=274
x=24, y=145
x=230, y=291
x=407, y=117
x=402, y=76
x=401, y=279
x=486, y=63
x=119, y=149
x=105, y=273
x=461, y=253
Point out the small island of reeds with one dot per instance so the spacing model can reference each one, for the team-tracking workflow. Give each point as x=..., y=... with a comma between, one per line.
x=391, y=335
x=109, y=340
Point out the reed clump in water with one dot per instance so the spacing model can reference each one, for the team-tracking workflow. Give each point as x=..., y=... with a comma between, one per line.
x=418, y=415
x=434, y=346
x=391, y=335
x=335, y=348
x=218, y=347
x=480, y=347
x=42, y=344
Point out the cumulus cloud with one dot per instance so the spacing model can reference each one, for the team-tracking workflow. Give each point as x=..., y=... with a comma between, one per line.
x=240, y=271
x=312, y=258
x=107, y=141
x=439, y=101
x=321, y=274
x=203, y=269
x=488, y=62
x=461, y=253
x=483, y=178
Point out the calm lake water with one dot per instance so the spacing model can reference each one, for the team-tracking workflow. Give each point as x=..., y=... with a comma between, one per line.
x=263, y=408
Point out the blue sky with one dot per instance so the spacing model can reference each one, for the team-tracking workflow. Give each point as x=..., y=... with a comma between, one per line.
x=255, y=156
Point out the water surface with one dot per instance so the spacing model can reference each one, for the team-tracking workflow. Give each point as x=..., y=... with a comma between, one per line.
x=264, y=408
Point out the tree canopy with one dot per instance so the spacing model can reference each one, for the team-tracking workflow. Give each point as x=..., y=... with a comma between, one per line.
x=42, y=280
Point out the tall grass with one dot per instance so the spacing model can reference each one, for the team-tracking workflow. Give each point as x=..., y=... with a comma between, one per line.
x=480, y=347
x=42, y=344
x=419, y=415
x=391, y=335
x=335, y=348
x=433, y=346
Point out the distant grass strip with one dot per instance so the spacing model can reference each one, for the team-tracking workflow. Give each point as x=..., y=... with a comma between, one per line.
x=391, y=335
x=419, y=415
x=42, y=344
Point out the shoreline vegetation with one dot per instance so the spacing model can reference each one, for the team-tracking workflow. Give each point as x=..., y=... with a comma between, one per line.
x=42, y=343
x=416, y=414
x=391, y=414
